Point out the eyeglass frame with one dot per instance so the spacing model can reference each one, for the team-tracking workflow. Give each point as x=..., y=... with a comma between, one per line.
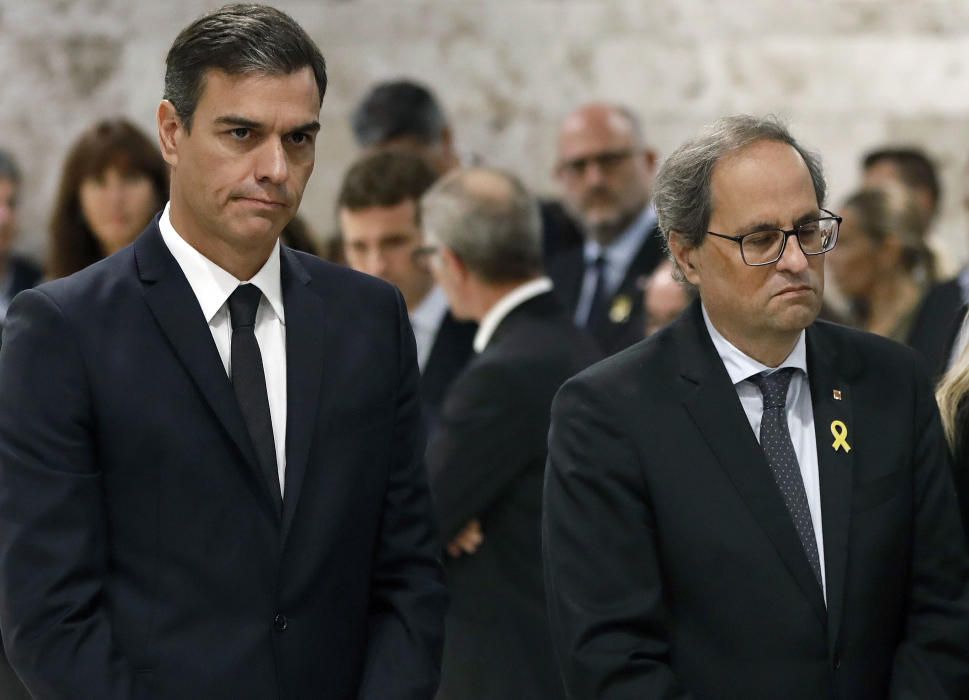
x=739, y=240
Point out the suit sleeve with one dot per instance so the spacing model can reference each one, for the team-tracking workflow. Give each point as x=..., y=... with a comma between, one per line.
x=53, y=535
x=483, y=440
x=933, y=657
x=602, y=565
x=407, y=599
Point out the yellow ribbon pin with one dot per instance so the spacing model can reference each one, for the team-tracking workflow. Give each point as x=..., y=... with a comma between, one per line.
x=840, y=432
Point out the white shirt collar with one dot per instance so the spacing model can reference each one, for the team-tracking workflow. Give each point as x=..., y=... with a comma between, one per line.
x=431, y=311
x=213, y=285
x=741, y=366
x=508, y=303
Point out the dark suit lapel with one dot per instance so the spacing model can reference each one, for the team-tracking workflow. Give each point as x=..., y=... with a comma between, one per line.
x=176, y=309
x=567, y=271
x=832, y=401
x=720, y=418
x=307, y=330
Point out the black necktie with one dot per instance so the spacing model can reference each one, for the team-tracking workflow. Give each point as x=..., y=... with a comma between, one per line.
x=775, y=440
x=597, y=311
x=249, y=383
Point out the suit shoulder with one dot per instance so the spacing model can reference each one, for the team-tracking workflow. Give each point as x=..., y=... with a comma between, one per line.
x=861, y=348
x=343, y=283
x=95, y=286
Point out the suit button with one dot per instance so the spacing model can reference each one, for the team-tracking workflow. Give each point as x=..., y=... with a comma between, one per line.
x=280, y=623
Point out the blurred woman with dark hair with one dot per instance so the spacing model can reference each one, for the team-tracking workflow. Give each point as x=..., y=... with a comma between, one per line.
x=882, y=264
x=114, y=180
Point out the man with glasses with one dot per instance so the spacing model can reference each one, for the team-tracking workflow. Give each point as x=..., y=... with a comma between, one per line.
x=605, y=171
x=762, y=504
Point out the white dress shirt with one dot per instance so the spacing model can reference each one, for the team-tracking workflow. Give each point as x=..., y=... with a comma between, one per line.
x=619, y=256
x=508, y=303
x=800, y=415
x=426, y=321
x=213, y=286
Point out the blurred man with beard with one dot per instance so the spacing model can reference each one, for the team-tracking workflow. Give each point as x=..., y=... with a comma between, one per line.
x=606, y=173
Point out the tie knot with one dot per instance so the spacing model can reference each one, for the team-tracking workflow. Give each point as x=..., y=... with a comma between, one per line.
x=243, y=304
x=774, y=386
x=599, y=262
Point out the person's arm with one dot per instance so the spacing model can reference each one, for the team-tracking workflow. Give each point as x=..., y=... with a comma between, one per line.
x=481, y=444
x=407, y=597
x=602, y=568
x=53, y=535
x=932, y=659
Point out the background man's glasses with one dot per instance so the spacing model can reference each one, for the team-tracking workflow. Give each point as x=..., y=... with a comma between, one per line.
x=766, y=247
x=605, y=161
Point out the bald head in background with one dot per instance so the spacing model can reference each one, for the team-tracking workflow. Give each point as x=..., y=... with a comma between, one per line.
x=604, y=168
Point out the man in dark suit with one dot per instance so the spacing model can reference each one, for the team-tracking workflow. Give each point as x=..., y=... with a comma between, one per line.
x=211, y=473
x=606, y=173
x=16, y=275
x=487, y=460
x=382, y=236
x=752, y=504
x=403, y=115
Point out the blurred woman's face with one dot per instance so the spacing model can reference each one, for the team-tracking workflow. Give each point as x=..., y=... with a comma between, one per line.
x=117, y=206
x=853, y=261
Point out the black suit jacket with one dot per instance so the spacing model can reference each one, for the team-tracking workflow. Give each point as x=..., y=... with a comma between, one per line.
x=487, y=462
x=937, y=324
x=567, y=271
x=140, y=553
x=673, y=566
x=450, y=353
x=24, y=275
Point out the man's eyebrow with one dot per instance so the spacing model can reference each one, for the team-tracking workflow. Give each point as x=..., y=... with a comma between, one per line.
x=764, y=225
x=234, y=120
x=312, y=127
x=242, y=122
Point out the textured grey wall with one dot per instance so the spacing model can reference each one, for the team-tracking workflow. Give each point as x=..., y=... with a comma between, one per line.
x=848, y=74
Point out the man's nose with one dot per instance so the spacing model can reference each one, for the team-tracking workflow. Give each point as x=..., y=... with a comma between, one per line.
x=793, y=258
x=271, y=163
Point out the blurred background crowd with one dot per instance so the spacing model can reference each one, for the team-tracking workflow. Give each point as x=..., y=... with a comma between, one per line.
x=580, y=99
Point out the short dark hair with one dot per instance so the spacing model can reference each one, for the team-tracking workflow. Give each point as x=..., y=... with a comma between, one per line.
x=915, y=168
x=385, y=180
x=237, y=39
x=9, y=170
x=398, y=109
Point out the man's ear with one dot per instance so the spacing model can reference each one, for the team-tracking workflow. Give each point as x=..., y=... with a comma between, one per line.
x=684, y=255
x=454, y=262
x=170, y=131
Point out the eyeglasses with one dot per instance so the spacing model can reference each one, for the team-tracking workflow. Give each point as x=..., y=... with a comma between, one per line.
x=767, y=247
x=606, y=161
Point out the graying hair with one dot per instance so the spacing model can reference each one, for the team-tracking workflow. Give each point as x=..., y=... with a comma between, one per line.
x=682, y=189
x=9, y=170
x=495, y=230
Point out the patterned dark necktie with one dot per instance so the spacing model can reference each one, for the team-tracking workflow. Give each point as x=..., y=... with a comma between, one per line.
x=775, y=440
x=249, y=383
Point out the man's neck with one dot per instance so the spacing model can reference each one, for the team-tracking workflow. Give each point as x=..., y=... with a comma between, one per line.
x=490, y=294
x=415, y=298
x=770, y=350
x=243, y=264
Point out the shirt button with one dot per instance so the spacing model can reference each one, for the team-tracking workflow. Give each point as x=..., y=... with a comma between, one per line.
x=280, y=623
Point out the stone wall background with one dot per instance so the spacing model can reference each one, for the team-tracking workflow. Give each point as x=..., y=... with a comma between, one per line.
x=848, y=74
